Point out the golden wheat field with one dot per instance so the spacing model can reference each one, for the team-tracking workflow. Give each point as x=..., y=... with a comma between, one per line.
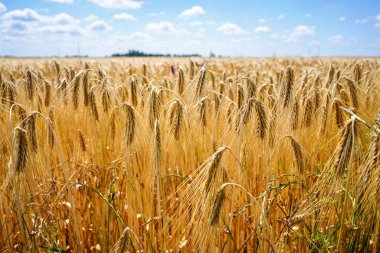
x=190, y=155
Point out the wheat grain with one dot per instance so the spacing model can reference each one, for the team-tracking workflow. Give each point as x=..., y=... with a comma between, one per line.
x=214, y=165
x=94, y=107
x=20, y=150
x=176, y=115
x=121, y=245
x=32, y=135
x=288, y=85
x=82, y=141
x=133, y=84
x=217, y=206
x=345, y=147
x=130, y=124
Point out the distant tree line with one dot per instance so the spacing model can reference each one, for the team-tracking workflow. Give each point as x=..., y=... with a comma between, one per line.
x=137, y=53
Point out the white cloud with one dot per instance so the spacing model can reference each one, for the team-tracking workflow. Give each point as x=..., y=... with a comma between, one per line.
x=377, y=26
x=16, y=28
x=262, y=29
x=124, y=16
x=236, y=41
x=9, y=39
x=62, y=19
x=194, y=43
x=336, y=39
x=25, y=15
x=299, y=32
x=342, y=19
x=263, y=20
x=90, y=18
x=133, y=37
x=2, y=7
x=62, y=29
x=230, y=29
x=159, y=26
x=164, y=26
x=308, y=15
x=378, y=17
x=139, y=36
x=99, y=25
x=193, y=11
x=118, y=4
x=200, y=32
x=31, y=16
x=314, y=42
x=196, y=23
x=27, y=22
x=361, y=21
x=61, y=1
x=280, y=17
x=303, y=30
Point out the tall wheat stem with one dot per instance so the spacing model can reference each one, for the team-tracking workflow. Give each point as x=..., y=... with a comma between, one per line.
x=346, y=195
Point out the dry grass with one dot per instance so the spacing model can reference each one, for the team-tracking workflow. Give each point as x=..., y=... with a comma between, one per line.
x=219, y=155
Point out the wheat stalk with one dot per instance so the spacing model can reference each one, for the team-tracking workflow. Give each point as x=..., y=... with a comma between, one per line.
x=358, y=73
x=29, y=83
x=130, y=123
x=121, y=245
x=106, y=100
x=75, y=88
x=323, y=123
x=287, y=86
x=217, y=206
x=82, y=141
x=273, y=126
x=176, y=118
x=330, y=76
x=261, y=116
x=339, y=118
x=251, y=87
x=20, y=152
x=32, y=135
x=353, y=92
x=307, y=116
x=201, y=81
x=86, y=87
x=133, y=84
x=94, y=107
x=214, y=165
x=51, y=133
x=344, y=149
x=63, y=88
x=202, y=111
x=192, y=70
x=295, y=114
x=112, y=124
x=154, y=105
x=47, y=93
x=240, y=96
x=181, y=81
x=298, y=153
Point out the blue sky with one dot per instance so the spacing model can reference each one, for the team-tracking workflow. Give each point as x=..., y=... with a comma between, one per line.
x=226, y=27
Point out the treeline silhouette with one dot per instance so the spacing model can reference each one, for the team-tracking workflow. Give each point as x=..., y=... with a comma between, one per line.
x=137, y=53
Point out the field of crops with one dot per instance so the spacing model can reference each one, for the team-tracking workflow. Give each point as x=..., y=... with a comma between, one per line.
x=190, y=155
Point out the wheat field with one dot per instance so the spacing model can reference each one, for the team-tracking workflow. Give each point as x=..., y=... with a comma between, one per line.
x=190, y=155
